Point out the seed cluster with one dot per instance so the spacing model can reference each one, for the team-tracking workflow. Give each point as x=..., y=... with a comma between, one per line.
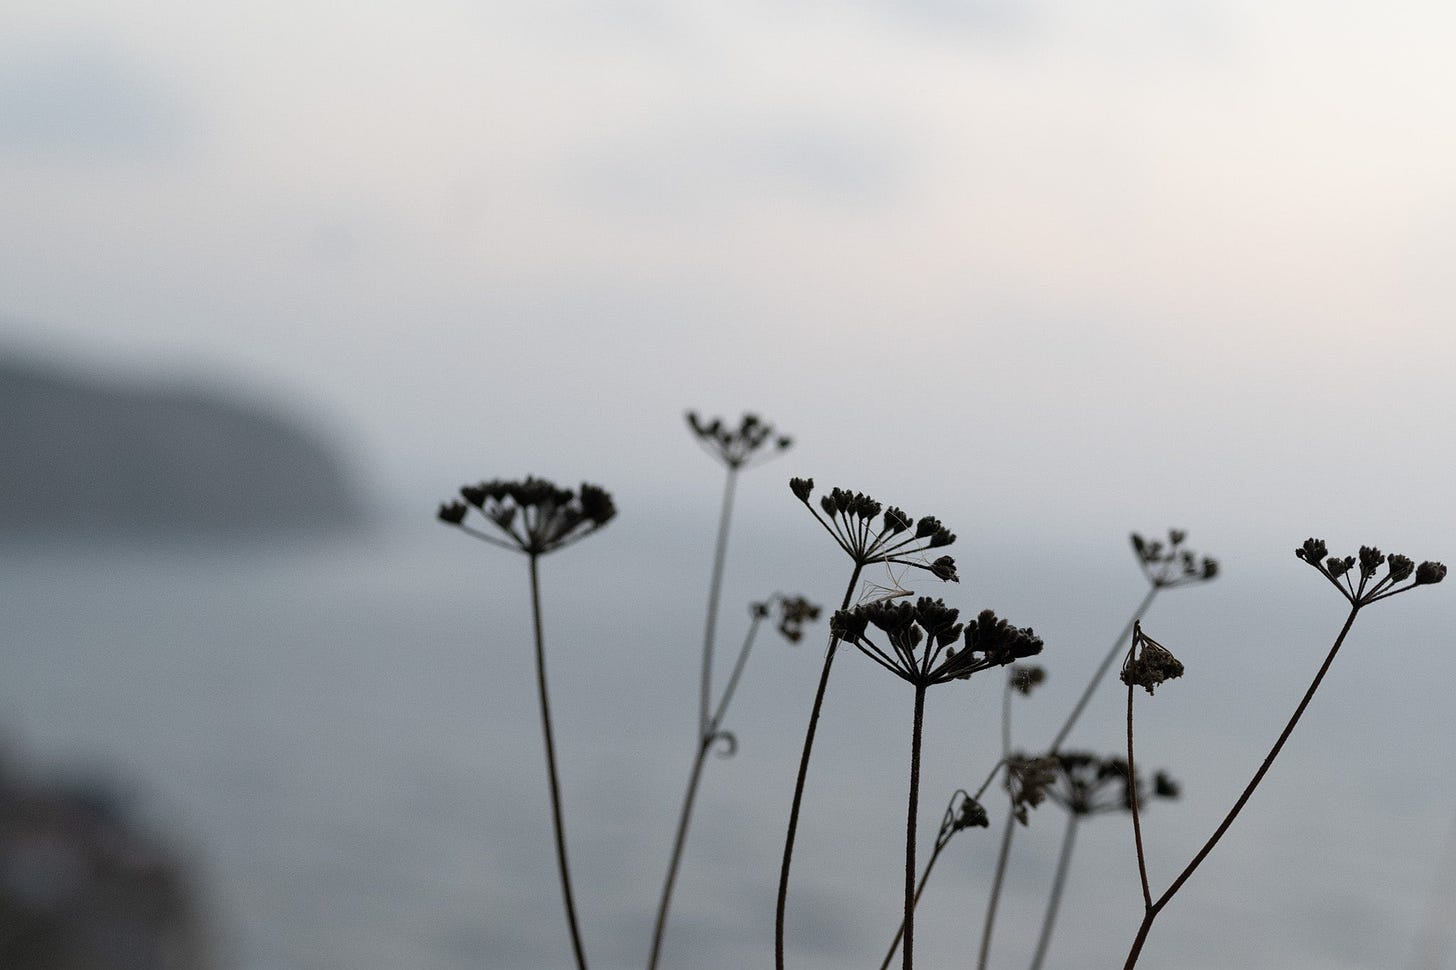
x=989, y=640
x=1368, y=589
x=534, y=515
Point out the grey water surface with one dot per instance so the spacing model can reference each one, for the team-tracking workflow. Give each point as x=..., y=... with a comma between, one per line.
x=342, y=736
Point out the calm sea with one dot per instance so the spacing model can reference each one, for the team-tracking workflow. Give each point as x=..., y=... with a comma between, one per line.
x=342, y=739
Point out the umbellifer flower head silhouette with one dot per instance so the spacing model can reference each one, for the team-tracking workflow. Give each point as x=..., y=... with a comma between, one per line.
x=1027, y=677
x=533, y=515
x=918, y=639
x=1148, y=662
x=1027, y=780
x=1086, y=784
x=850, y=518
x=1168, y=564
x=737, y=447
x=1367, y=589
x=794, y=612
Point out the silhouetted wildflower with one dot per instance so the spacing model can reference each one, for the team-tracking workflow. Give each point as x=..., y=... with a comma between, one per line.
x=534, y=516
x=1027, y=779
x=1149, y=663
x=737, y=447
x=989, y=641
x=1026, y=677
x=794, y=612
x=1088, y=785
x=1168, y=564
x=849, y=518
x=969, y=814
x=1398, y=569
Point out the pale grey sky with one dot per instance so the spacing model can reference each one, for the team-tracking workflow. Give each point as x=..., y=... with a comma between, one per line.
x=1156, y=247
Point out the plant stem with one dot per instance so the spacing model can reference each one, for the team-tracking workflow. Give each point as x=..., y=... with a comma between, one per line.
x=551, y=768
x=910, y=819
x=1101, y=671
x=996, y=881
x=940, y=845
x=1055, y=902
x=716, y=721
x=705, y=744
x=677, y=848
x=1162, y=901
x=799, y=782
x=715, y=588
x=1000, y=876
x=1132, y=797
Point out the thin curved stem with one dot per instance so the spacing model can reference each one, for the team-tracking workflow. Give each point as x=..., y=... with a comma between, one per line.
x=705, y=744
x=721, y=711
x=1102, y=668
x=551, y=769
x=1054, y=903
x=996, y=882
x=679, y=840
x=715, y=588
x=1162, y=901
x=1132, y=797
x=910, y=821
x=809, y=733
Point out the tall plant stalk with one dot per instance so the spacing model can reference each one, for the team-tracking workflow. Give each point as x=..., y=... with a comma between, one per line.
x=736, y=448
x=1054, y=901
x=997, y=878
x=558, y=826
x=1155, y=906
x=705, y=744
x=911, y=812
x=780, y=906
x=1149, y=669
x=715, y=590
x=534, y=516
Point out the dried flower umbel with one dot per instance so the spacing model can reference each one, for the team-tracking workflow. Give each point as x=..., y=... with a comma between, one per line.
x=1168, y=564
x=1401, y=573
x=918, y=641
x=869, y=533
x=1361, y=583
x=531, y=515
x=751, y=443
x=1149, y=663
x=534, y=517
x=851, y=519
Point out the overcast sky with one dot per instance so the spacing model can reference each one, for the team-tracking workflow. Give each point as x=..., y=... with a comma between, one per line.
x=1168, y=260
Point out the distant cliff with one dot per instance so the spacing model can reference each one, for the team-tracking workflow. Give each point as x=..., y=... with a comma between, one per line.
x=81, y=455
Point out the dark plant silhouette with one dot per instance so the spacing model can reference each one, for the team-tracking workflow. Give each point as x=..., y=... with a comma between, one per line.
x=1086, y=785
x=751, y=443
x=793, y=613
x=1150, y=663
x=917, y=648
x=850, y=519
x=1165, y=565
x=534, y=517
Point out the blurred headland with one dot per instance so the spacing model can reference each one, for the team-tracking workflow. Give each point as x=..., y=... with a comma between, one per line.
x=87, y=456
